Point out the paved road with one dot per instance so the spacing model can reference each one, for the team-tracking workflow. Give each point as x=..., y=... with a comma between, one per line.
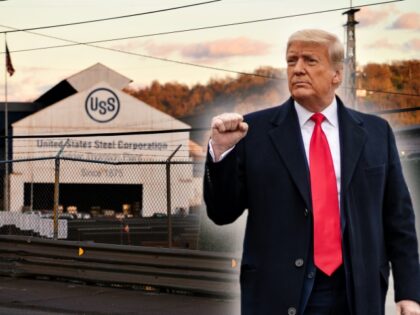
x=20, y=296
x=27, y=296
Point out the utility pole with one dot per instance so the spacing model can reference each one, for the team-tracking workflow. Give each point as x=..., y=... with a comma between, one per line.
x=350, y=58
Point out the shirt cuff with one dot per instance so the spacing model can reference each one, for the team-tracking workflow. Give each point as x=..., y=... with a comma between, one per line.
x=222, y=156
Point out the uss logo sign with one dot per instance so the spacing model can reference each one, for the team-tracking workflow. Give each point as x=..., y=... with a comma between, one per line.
x=102, y=105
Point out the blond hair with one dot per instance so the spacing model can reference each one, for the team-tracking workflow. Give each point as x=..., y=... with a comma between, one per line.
x=316, y=36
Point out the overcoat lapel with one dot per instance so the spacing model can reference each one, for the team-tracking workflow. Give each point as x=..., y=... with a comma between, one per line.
x=352, y=140
x=287, y=140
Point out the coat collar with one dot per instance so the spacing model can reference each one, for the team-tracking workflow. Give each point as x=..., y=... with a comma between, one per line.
x=287, y=140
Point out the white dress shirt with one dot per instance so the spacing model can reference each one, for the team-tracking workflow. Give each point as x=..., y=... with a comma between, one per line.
x=330, y=128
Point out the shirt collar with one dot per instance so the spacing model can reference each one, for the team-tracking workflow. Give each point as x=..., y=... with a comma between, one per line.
x=330, y=113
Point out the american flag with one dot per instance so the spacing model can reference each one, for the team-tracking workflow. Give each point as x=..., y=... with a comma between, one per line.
x=9, y=65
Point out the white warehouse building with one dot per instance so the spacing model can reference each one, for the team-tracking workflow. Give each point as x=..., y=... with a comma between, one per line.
x=93, y=102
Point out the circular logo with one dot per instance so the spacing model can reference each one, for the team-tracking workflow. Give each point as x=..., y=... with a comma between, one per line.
x=102, y=105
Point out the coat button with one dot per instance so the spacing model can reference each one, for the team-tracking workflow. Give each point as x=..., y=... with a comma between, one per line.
x=299, y=262
x=291, y=311
x=311, y=275
x=306, y=212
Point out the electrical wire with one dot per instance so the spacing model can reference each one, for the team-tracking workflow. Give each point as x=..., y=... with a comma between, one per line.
x=215, y=68
x=202, y=27
x=90, y=44
x=148, y=56
x=111, y=18
x=157, y=58
x=392, y=93
x=148, y=132
x=395, y=111
x=202, y=66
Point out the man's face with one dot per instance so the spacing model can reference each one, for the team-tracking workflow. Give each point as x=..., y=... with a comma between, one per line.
x=311, y=76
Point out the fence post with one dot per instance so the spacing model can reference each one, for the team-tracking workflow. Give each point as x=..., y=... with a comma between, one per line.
x=169, y=195
x=57, y=189
x=56, y=195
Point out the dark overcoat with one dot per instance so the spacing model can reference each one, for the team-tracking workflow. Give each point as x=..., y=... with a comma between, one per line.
x=267, y=173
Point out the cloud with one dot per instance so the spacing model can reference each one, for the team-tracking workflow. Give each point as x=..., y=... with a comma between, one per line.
x=409, y=20
x=126, y=46
x=383, y=43
x=159, y=50
x=225, y=48
x=368, y=16
x=413, y=44
x=29, y=82
x=218, y=49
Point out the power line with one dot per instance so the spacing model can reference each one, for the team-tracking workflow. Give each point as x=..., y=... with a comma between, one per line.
x=392, y=93
x=383, y=92
x=148, y=132
x=109, y=18
x=74, y=43
x=90, y=44
x=185, y=63
x=193, y=29
x=396, y=111
x=208, y=67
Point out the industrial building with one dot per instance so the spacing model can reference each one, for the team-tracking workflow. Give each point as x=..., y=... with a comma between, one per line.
x=93, y=102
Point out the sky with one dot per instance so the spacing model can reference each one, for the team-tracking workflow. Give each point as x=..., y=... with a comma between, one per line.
x=386, y=32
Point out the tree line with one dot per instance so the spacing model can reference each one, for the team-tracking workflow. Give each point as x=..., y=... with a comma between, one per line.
x=388, y=86
x=401, y=78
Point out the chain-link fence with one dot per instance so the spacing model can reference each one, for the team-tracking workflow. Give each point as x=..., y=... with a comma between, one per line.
x=152, y=203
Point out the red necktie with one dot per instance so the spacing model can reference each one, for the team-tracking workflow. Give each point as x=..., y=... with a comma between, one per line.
x=327, y=232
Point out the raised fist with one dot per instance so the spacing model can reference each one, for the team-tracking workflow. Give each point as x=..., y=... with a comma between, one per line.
x=226, y=131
